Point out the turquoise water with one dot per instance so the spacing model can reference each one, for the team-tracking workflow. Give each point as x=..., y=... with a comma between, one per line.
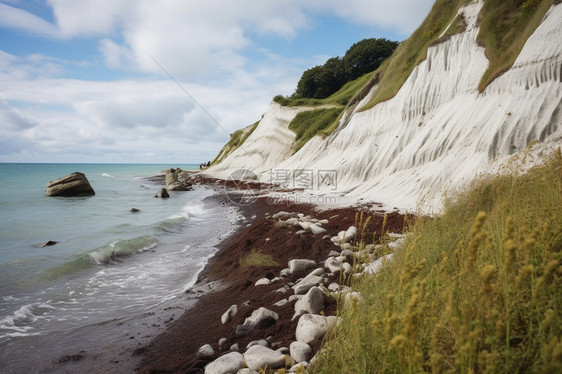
x=108, y=263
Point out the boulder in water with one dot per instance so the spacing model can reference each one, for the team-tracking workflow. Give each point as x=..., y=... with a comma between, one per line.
x=162, y=193
x=178, y=180
x=48, y=243
x=75, y=184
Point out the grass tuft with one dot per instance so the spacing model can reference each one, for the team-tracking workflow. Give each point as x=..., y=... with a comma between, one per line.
x=257, y=259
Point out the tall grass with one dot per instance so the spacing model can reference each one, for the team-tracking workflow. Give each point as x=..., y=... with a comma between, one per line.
x=476, y=290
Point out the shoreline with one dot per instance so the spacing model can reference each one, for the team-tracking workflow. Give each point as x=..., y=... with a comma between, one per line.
x=175, y=350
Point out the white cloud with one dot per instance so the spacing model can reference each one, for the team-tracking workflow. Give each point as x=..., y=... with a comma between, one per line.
x=19, y=19
x=126, y=120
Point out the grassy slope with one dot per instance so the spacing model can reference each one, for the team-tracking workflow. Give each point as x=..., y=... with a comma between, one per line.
x=506, y=26
x=310, y=123
x=478, y=289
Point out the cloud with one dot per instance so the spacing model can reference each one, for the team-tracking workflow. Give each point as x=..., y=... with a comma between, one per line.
x=189, y=37
x=19, y=19
x=60, y=119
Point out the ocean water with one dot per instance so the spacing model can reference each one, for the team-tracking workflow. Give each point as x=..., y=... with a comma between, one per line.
x=113, y=276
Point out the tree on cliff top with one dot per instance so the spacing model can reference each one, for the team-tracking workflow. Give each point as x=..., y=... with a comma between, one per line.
x=362, y=57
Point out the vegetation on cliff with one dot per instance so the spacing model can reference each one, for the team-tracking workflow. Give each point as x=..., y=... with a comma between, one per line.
x=236, y=140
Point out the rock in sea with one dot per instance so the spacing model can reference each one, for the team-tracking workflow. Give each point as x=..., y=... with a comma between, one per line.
x=162, y=193
x=75, y=184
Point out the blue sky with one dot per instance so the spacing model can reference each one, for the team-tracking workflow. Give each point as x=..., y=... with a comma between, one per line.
x=82, y=80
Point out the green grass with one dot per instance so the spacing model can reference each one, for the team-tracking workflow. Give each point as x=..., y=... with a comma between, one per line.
x=257, y=259
x=392, y=74
x=236, y=140
x=475, y=290
x=506, y=25
x=309, y=123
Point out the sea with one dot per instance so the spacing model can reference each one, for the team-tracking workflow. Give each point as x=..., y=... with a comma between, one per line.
x=114, y=279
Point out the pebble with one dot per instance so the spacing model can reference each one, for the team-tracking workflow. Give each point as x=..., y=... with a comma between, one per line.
x=263, y=282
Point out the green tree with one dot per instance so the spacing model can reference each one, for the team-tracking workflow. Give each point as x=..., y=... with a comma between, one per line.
x=366, y=56
x=362, y=57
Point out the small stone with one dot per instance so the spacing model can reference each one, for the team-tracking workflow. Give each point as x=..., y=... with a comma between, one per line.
x=135, y=210
x=346, y=268
x=285, y=272
x=235, y=347
x=48, y=243
x=205, y=351
x=315, y=229
x=332, y=264
x=306, y=284
x=258, y=357
x=222, y=341
x=242, y=330
x=300, y=232
x=261, y=342
x=263, y=282
x=350, y=234
x=229, y=314
x=301, y=265
x=300, y=351
x=228, y=363
x=281, y=303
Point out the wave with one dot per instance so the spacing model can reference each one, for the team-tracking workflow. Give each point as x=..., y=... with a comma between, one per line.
x=109, y=253
x=19, y=322
x=107, y=175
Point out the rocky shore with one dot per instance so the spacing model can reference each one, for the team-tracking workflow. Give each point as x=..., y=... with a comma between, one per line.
x=273, y=313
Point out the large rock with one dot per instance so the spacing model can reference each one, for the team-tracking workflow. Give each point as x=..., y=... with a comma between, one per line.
x=178, y=180
x=312, y=302
x=313, y=327
x=311, y=280
x=75, y=184
x=258, y=357
x=261, y=316
x=228, y=363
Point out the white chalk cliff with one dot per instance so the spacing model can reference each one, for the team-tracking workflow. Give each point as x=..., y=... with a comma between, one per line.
x=435, y=135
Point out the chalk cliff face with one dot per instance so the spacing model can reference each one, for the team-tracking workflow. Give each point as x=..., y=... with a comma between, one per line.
x=436, y=134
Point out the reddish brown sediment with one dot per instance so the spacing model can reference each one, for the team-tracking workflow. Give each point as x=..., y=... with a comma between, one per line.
x=174, y=351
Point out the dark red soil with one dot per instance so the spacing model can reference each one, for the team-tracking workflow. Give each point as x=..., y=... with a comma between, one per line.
x=175, y=350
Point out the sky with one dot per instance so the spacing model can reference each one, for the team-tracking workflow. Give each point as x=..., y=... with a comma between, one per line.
x=164, y=81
